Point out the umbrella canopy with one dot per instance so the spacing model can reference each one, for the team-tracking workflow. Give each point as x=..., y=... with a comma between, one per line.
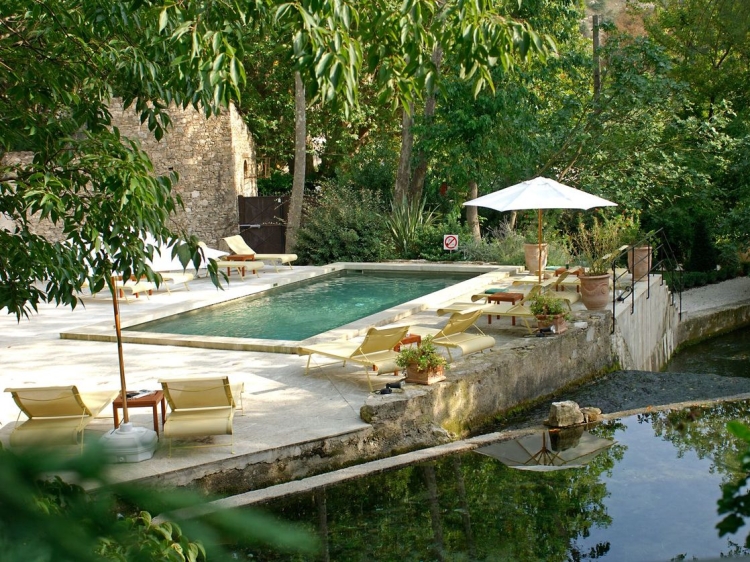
x=539, y=193
x=548, y=450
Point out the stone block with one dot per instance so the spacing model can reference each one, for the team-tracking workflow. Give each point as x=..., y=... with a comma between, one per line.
x=564, y=414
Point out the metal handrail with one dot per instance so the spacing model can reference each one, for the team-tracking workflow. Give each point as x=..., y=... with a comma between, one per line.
x=659, y=257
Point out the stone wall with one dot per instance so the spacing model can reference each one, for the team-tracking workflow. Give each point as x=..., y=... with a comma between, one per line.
x=215, y=160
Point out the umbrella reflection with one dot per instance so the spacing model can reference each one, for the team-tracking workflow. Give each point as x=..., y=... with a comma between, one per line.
x=552, y=449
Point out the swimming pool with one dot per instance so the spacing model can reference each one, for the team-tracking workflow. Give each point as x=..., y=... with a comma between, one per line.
x=651, y=496
x=306, y=309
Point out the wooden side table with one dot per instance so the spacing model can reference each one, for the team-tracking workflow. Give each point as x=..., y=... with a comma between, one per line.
x=408, y=340
x=239, y=257
x=149, y=401
x=512, y=298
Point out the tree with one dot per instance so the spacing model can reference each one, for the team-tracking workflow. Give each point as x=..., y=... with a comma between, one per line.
x=61, y=60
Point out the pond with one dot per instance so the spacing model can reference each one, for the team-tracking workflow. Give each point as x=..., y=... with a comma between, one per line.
x=651, y=495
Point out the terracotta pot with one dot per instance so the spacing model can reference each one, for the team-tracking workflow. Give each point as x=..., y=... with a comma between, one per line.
x=428, y=376
x=531, y=252
x=595, y=291
x=557, y=321
x=640, y=264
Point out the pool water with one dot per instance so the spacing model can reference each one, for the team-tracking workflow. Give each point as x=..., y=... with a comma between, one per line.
x=652, y=495
x=308, y=308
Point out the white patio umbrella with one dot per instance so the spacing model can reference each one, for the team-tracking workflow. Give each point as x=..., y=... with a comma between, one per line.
x=539, y=193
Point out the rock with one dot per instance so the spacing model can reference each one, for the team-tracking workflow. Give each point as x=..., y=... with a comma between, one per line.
x=591, y=414
x=564, y=414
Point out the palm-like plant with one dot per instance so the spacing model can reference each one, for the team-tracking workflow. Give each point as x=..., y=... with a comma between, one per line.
x=407, y=220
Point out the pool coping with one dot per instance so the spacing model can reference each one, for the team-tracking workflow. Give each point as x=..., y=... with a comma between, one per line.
x=104, y=331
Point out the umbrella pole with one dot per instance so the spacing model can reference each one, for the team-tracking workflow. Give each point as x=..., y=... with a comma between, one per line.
x=118, y=332
x=541, y=241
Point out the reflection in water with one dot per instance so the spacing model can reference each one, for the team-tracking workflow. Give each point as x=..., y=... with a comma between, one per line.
x=650, y=496
x=727, y=355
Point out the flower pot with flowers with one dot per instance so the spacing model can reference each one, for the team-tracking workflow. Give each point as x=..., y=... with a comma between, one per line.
x=423, y=364
x=549, y=311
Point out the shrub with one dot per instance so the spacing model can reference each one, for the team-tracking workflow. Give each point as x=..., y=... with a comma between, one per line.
x=703, y=251
x=406, y=222
x=342, y=224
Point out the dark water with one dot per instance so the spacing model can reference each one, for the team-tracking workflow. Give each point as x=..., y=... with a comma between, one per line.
x=652, y=495
x=727, y=355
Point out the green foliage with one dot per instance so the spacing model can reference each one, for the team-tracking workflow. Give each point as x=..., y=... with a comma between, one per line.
x=405, y=222
x=596, y=244
x=702, y=251
x=373, y=167
x=546, y=304
x=279, y=183
x=342, y=224
x=425, y=356
x=734, y=504
x=43, y=518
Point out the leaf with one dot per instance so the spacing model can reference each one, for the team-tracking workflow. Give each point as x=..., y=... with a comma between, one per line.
x=163, y=20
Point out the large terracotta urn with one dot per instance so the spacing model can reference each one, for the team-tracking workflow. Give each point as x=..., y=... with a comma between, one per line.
x=595, y=291
x=639, y=261
x=531, y=252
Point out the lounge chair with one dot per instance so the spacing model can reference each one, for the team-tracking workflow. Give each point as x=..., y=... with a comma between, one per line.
x=375, y=352
x=57, y=415
x=175, y=278
x=238, y=245
x=240, y=265
x=199, y=407
x=454, y=334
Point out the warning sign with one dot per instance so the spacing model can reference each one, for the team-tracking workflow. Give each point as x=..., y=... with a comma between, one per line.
x=450, y=242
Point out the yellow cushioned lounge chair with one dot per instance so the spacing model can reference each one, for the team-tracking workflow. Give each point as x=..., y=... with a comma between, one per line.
x=57, y=415
x=454, y=334
x=375, y=352
x=238, y=245
x=199, y=407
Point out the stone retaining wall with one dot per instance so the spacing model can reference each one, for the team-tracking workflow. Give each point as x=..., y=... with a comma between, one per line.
x=698, y=326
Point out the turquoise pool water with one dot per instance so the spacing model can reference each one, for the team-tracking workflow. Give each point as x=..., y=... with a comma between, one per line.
x=306, y=309
x=652, y=496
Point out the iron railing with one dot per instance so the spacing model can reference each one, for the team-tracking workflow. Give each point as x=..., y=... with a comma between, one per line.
x=650, y=255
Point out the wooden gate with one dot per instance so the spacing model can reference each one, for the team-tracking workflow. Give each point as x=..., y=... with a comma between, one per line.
x=263, y=222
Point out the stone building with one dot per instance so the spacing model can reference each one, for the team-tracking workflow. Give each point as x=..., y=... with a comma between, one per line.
x=215, y=160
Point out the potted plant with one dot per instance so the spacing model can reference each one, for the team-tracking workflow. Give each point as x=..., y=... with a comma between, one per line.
x=640, y=251
x=423, y=364
x=597, y=246
x=549, y=312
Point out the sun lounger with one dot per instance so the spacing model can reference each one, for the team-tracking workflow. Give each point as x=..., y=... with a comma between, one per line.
x=175, y=278
x=238, y=245
x=199, y=407
x=374, y=353
x=241, y=266
x=453, y=334
x=57, y=415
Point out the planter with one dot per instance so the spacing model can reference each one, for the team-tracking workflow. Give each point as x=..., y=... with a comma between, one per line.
x=639, y=261
x=595, y=291
x=427, y=376
x=531, y=251
x=556, y=321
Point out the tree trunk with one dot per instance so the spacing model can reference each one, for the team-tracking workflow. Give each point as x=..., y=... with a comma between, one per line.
x=401, y=189
x=472, y=212
x=300, y=151
x=420, y=170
